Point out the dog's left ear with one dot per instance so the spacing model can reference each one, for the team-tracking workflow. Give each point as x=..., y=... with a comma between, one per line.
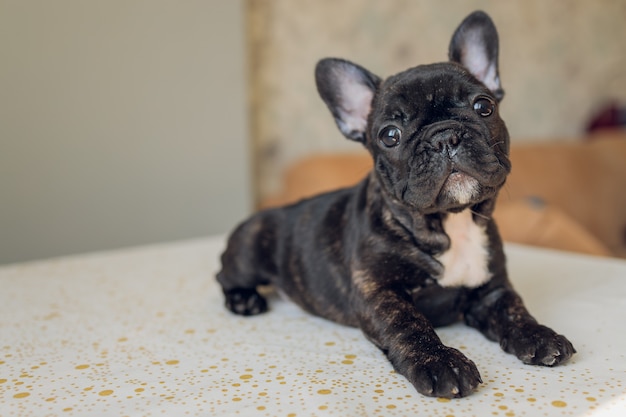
x=348, y=90
x=475, y=46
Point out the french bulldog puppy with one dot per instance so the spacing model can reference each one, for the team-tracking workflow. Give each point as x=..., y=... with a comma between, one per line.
x=412, y=246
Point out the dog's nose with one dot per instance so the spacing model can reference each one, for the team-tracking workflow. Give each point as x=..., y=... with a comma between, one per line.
x=446, y=140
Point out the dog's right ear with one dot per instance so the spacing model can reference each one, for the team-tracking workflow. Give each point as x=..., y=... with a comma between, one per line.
x=348, y=90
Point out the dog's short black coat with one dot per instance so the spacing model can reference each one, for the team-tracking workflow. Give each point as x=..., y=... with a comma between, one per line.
x=413, y=245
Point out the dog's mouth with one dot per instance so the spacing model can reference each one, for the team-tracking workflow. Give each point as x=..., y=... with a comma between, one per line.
x=460, y=187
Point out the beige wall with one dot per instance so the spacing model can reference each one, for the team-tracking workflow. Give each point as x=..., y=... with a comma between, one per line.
x=121, y=122
x=560, y=60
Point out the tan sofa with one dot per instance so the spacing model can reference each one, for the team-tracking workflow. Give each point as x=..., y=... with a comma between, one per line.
x=562, y=194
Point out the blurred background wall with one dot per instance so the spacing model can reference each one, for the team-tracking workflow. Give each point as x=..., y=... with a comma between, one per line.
x=560, y=61
x=125, y=122
x=122, y=122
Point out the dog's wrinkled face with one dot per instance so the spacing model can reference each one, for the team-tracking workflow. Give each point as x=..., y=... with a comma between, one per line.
x=434, y=131
x=437, y=139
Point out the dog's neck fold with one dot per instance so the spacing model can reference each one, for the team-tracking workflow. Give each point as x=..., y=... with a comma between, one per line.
x=426, y=229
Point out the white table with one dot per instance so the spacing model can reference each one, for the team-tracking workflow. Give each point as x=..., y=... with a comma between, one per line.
x=142, y=332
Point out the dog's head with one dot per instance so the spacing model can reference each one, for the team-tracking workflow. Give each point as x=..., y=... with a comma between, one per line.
x=434, y=131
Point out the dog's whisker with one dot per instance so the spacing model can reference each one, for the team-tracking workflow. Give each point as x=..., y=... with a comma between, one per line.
x=480, y=215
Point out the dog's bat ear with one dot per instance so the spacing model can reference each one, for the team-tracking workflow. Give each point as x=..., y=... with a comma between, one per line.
x=475, y=46
x=348, y=90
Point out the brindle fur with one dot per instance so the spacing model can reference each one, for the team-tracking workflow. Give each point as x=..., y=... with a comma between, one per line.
x=366, y=256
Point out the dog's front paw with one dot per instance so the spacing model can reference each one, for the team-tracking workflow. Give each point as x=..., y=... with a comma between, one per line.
x=245, y=301
x=446, y=372
x=535, y=344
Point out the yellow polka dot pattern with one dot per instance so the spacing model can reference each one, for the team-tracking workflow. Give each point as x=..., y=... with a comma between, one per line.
x=143, y=332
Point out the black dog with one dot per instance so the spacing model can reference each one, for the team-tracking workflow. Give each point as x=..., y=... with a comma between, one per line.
x=413, y=245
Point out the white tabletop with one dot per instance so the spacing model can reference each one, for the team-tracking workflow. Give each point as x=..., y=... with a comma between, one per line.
x=142, y=332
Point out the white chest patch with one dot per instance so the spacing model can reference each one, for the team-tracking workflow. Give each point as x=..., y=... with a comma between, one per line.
x=466, y=262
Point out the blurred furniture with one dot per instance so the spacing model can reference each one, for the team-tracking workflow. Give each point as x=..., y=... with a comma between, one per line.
x=561, y=194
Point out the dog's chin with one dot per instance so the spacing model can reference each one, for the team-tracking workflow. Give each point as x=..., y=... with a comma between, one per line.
x=455, y=192
x=458, y=191
x=460, y=188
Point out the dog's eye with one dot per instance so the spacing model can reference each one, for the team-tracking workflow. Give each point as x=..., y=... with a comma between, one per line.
x=390, y=136
x=484, y=107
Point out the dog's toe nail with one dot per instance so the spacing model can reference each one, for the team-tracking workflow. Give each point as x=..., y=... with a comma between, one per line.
x=552, y=358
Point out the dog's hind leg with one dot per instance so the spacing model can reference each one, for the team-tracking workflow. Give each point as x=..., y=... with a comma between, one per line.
x=246, y=264
x=240, y=289
x=240, y=286
x=245, y=301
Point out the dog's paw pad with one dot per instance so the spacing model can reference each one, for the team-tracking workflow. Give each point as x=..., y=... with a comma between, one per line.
x=245, y=301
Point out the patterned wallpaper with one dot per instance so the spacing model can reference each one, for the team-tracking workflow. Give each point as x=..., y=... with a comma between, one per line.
x=560, y=61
